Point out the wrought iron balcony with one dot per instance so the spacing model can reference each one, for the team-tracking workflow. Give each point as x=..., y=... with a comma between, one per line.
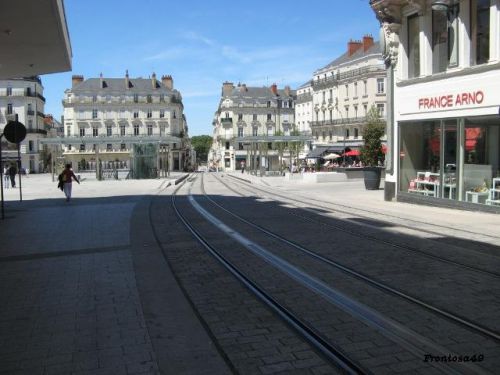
x=227, y=120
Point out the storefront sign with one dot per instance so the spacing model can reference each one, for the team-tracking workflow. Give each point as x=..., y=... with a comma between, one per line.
x=451, y=100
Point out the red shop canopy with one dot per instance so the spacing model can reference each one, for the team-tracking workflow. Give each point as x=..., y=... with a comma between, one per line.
x=352, y=153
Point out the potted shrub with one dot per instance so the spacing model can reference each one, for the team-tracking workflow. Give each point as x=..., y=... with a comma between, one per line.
x=371, y=152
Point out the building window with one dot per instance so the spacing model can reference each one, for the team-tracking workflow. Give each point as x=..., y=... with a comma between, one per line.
x=347, y=91
x=174, y=115
x=365, y=109
x=162, y=98
x=9, y=108
x=136, y=114
x=31, y=146
x=269, y=117
x=162, y=113
x=346, y=111
x=94, y=113
x=347, y=133
x=227, y=145
x=109, y=147
x=109, y=130
x=149, y=99
x=136, y=129
x=82, y=147
x=122, y=129
x=381, y=109
x=123, y=147
x=355, y=111
x=254, y=117
x=413, y=46
x=9, y=90
x=95, y=132
x=30, y=124
x=380, y=85
x=150, y=113
x=255, y=131
x=268, y=104
x=365, y=87
x=331, y=96
x=240, y=116
x=150, y=129
x=481, y=30
x=444, y=39
x=136, y=98
x=330, y=135
x=94, y=98
x=68, y=131
x=82, y=132
x=356, y=132
x=355, y=89
x=240, y=132
x=162, y=129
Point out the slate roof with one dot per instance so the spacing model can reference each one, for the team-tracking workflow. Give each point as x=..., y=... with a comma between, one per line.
x=306, y=84
x=374, y=49
x=118, y=85
x=260, y=93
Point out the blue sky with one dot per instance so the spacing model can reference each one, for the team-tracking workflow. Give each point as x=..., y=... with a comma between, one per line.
x=204, y=43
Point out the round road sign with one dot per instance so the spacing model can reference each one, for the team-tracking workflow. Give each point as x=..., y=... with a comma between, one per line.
x=14, y=132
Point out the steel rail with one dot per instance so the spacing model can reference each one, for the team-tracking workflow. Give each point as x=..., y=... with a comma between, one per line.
x=366, y=236
x=359, y=275
x=335, y=355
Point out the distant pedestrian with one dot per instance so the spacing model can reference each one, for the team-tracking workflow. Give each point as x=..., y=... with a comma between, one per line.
x=6, y=177
x=12, y=174
x=242, y=167
x=67, y=177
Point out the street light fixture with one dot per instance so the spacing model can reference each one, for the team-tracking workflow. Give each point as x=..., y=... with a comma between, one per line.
x=440, y=4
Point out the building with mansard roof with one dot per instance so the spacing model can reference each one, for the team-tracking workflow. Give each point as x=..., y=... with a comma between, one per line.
x=343, y=92
x=246, y=111
x=125, y=123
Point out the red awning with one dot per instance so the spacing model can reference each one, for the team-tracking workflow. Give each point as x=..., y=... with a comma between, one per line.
x=352, y=153
x=384, y=149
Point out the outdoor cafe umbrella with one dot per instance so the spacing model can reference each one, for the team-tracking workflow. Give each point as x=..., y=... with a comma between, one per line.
x=331, y=156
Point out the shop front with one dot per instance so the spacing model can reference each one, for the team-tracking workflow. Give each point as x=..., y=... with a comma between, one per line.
x=449, y=141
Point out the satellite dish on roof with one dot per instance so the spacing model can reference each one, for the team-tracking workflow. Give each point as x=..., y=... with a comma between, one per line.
x=14, y=132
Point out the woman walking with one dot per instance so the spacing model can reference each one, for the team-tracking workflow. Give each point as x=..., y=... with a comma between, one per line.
x=67, y=176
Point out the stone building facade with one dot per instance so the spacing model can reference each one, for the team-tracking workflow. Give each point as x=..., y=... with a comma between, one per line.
x=115, y=122
x=344, y=91
x=22, y=99
x=245, y=111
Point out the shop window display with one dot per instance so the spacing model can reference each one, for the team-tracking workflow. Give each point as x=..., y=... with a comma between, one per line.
x=455, y=159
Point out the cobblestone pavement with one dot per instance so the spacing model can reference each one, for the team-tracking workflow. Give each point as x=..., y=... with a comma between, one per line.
x=112, y=283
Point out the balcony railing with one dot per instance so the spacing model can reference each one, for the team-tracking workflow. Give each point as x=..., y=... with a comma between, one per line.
x=227, y=120
x=30, y=112
x=334, y=79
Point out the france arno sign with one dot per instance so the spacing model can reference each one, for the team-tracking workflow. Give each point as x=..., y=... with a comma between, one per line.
x=14, y=132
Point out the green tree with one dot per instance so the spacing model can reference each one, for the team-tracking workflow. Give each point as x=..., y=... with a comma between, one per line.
x=201, y=144
x=373, y=130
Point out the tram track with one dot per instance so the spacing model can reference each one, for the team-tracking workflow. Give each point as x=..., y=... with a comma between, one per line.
x=409, y=340
x=252, y=189
x=333, y=354
x=331, y=350
x=467, y=323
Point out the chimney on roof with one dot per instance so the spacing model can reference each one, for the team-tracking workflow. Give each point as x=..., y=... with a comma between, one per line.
x=153, y=80
x=367, y=42
x=353, y=46
x=101, y=81
x=243, y=87
x=227, y=88
x=274, y=88
x=168, y=81
x=75, y=80
x=287, y=90
x=127, y=80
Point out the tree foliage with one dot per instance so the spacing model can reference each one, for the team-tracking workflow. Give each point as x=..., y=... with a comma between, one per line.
x=201, y=144
x=374, y=129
